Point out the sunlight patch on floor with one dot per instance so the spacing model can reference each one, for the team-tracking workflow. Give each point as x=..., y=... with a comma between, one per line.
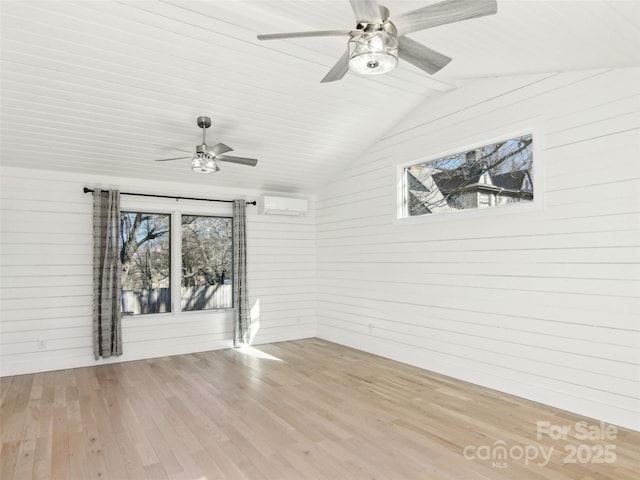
x=255, y=353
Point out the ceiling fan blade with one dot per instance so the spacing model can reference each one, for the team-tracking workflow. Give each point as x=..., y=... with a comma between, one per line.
x=366, y=11
x=320, y=33
x=441, y=13
x=252, y=162
x=422, y=57
x=339, y=70
x=172, y=148
x=169, y=159
x=384, y=13
x=219, y=148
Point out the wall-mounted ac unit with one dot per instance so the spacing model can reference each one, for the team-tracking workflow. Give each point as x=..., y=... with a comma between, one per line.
x=269, y=205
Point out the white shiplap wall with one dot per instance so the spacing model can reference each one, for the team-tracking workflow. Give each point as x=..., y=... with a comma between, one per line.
x=46, y=279
x=544, y=303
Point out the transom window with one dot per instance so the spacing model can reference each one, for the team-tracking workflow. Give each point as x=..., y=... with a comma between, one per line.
x=487, y=176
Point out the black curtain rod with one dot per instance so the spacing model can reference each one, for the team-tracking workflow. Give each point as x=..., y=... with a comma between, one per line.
x=88, y=190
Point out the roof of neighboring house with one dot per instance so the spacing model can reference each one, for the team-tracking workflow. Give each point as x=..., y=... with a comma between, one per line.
x=424, y=195
x=449, y=181
x=511, y=180
x=470, y=177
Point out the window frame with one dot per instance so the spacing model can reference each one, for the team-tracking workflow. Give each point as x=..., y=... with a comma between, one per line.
x=232, y=262
x=171, y=264
x=178, y=208
x=434, y=152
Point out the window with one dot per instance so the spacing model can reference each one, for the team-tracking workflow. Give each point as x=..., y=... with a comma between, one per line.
x=484, y=200
x=146, y=262
x=483, y=177
x=207, y=263
x=203, y=262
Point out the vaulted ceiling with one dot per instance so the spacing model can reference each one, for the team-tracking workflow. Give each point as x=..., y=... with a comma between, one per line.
x=105, y=87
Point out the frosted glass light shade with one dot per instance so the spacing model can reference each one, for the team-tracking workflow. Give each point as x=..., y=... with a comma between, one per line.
x=373, y=53
x=203, y=163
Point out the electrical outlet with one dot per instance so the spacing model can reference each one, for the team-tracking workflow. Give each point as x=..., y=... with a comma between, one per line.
x=42, y=344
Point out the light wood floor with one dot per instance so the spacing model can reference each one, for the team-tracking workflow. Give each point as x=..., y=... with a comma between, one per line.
x=316, y=410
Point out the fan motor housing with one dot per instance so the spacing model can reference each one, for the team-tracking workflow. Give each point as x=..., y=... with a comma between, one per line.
x=386, y=26
x=204, y=122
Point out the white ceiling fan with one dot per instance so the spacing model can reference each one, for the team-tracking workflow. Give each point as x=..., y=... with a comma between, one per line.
x=378, y=40
x=205, y=157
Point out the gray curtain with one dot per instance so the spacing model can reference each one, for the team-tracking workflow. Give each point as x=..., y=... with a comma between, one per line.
x=241, y=314
x=107, y=331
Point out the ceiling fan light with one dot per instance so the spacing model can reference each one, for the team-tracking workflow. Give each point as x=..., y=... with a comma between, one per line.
x=204, y=163
x=373, y=53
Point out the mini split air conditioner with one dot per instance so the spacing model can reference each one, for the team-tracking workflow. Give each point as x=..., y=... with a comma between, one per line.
x=269, y=205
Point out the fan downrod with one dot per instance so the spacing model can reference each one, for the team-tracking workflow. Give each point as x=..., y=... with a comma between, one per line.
x=204, y=122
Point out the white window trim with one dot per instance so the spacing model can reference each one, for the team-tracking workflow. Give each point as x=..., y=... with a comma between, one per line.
x=176, y=209
x=531, y=126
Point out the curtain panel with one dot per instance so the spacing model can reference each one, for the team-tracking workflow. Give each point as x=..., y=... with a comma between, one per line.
x=241, y=313
x=107, y=292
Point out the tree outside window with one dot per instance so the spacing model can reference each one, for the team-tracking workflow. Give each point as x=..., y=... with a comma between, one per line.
x=206, y=263
x=146, y=262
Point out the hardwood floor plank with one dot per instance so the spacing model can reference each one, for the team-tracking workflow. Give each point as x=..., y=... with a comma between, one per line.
x=305, y=409
x=79, y=464
x=132, y=463
x=215, y=462
x=170, y=464
x=109, y=458
x=42, y=459
x=60, y=455
x=26, y=453
x=156, y=471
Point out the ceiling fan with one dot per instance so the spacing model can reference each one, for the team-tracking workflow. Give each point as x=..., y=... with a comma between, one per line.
x=205, y=157
x=377, y=41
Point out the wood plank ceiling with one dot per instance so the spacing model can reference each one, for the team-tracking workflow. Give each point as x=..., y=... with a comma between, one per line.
x=103, y=87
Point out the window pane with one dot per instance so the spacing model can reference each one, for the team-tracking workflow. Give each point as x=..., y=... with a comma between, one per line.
x=487, y=176
x=146, y=262
x=207, y=263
